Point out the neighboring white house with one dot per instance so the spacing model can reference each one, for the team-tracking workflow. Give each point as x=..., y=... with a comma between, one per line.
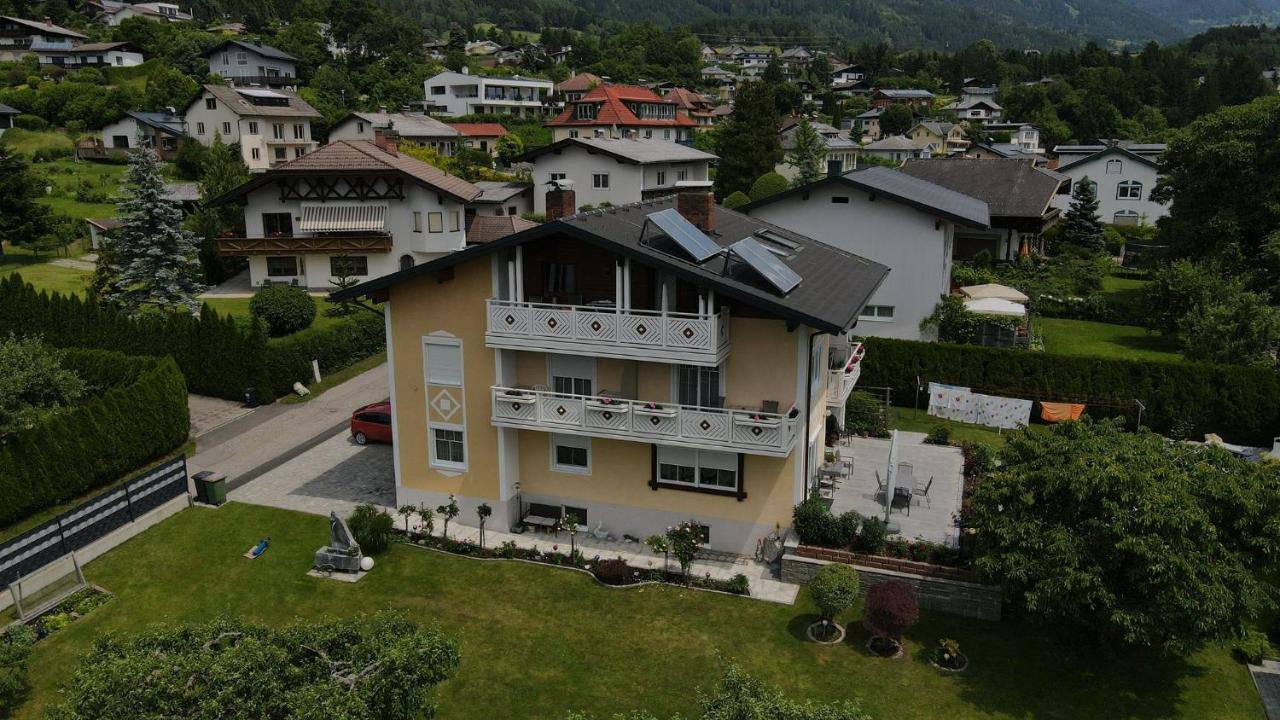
x=615, y=171
x=1123, y=180
x=352, y=208
x=502, y=199
x=7, y=114
x=106, y=54
x=271, y=126
x=1023, y=137
x=244, y=63
x=893, y=219
x=414, y=127
x=20, y=36
x=161, y=131
x=900, y=148
x=455, y=94
x=841, y=151
x=114, y=13
x=848, y=74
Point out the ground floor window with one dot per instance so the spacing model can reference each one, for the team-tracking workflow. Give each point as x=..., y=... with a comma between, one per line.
x=448, y=447
x=877, y=312
x=344, y=265
x=698, y=468
x=571, y=454
x=282, y=266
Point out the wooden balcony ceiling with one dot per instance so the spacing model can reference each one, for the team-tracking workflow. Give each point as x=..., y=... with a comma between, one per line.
x=321, y=244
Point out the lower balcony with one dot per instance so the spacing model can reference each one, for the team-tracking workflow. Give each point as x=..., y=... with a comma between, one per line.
x=366, y=244
x=843, y=376
x=752, y=432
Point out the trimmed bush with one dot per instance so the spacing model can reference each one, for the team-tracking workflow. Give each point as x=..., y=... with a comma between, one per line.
x=834, y=589
x=284, y=309
x=816, y=526
x=770, y=183
x=612, y=572
x=141, y=415
x=35, y=123
x=372, y=528
x=1242, y=404
x=736, y=200
x=15, y=648
x=288, y=360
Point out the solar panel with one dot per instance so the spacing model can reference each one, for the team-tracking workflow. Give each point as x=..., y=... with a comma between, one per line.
x=254, y=92
x=685, y=234
x=766, y=264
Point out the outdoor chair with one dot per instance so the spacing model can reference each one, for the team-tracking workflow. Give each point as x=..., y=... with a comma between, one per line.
x=880, y=484
x=923, y=492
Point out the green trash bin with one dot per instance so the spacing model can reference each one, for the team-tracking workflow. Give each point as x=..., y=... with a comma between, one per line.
x=211, y=487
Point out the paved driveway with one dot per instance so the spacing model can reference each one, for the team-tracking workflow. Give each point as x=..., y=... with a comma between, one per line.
x=337, y=475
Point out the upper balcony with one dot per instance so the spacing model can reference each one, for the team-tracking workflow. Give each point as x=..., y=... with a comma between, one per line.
x=753, y=432
x=329, y=244
x=844, y=369
x=577, y=299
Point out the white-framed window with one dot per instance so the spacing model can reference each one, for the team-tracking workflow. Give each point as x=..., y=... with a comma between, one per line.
x=600, y=181
x=299, y=152
x=570, y=454
x=417, y=221
x=210, y=104
x=1115, y=167
x=449, y=447
x=700, y=386
x=1129, y=190
x=253, y=128
x=340, y=265
x=281, y=154
x=682, y=175
x=877, y=312
x=698, y=468
x=666, y=134
x=286, y=266
x=199, y=128
x=277, y=131
x=443, y=357
x=662, y=177
x=242, y=58
x=573, y=133
x=226, y=128
x=556, y=176
x=455, y=223
x=1126, y=217
x=299, y=131
x=360, y=127
x=435, y=222
x=572, y=374
x=255, y=153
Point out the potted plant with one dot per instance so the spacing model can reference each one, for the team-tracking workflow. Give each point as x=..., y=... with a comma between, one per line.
x=947, y=656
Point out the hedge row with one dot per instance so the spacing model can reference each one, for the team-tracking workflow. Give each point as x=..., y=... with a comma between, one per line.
x=217, y=356
x=137, y=416
x=1242, y=404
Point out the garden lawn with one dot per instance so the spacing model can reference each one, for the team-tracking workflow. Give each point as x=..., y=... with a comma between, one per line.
x=29, y=142
x=1098, y=339
x=537, y=641
x=39, y=270
x=913, y=420
x=239, y=308
x=65, y=176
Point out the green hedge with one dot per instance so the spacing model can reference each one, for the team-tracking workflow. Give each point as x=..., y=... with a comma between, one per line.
x=336, y=347
x=139, y=413
x=215, y=354
x=1242, y=404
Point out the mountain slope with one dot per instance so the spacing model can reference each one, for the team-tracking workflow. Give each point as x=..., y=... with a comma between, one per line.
x=1195, y=15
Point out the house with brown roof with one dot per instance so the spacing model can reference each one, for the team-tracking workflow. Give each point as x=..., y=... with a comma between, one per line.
x=622, y=111
x=1019, y=194
x=272, y=126
x=413, y=127
x=20, y=36
x=694, y=104
x=353, y=208
x=481, y=136
x=575, y=87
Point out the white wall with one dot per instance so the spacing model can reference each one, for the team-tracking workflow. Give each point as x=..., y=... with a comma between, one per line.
x=917, y=252
x=125, y=126
x=221, y=118
x=226, y=63
x=626, y=181
x=1108, y=205
x=314, y=269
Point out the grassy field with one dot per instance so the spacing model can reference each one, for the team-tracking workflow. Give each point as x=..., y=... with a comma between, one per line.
x=1098, y=339
x=538, y=641
x=29, y=142
x=66, y=175
x=39, y=271
x=913, y=420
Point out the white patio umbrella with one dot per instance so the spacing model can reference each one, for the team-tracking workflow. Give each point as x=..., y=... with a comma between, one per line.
x=994, y=290
x=996, y=306
x=890, y=475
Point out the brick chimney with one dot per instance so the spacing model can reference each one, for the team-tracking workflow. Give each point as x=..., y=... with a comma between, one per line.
x=388, y=140
x=696, y=201
x=561, y=201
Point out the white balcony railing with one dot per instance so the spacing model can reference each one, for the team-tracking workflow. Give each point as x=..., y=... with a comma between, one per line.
x=729, y=430
x=841, y=380
x=700, y=339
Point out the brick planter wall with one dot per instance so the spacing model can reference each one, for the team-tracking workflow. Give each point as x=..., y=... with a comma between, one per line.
x=937, y=588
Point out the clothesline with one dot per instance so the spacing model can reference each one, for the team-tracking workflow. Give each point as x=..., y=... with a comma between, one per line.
x=1041, y=397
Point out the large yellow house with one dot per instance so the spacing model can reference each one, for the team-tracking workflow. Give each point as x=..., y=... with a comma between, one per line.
x=637, y=367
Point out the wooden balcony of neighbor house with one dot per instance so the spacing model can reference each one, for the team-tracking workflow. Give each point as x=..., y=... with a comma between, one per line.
x=844, y=369
x=739, y=430
x=334, y=243
x=584, y=301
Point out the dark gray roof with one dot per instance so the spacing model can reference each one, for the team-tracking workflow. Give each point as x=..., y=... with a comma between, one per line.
x=920, y=194
x=496, y=191
x=6, y=110
x=1011, y=188
x=1105, y=151
x=162, y=121
x=835, y=286
x=264, y=50
x=636, y=151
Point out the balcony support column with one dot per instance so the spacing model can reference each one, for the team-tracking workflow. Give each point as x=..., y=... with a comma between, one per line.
x=626, y=284
x=519, y=274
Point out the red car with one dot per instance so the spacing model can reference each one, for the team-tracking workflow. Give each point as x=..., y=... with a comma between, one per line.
x=372, y=423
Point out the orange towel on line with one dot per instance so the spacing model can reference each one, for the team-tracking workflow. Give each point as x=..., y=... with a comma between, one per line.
x=1060, y=412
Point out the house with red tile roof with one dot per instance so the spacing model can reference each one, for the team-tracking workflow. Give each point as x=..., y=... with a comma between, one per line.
x=622, y=111
x=481, y=136
x=694, y=104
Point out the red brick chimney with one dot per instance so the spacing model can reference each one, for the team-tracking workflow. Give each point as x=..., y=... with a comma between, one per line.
x=696, y=201
x=561, y=201
x=388, y=140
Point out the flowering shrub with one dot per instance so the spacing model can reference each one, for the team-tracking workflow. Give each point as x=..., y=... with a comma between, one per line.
x=685, y=540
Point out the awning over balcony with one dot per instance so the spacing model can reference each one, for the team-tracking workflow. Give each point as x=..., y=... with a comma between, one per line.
x=329, y=217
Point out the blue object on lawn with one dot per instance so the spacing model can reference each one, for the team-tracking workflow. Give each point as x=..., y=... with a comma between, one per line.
x=261, y=547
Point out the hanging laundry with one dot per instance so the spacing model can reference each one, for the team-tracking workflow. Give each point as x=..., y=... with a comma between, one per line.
x=1002, y=412
x=1055, y=412
x=949, y=402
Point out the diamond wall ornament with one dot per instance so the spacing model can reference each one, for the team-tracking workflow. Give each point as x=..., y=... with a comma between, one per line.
x=560, y=410
x=641, y=329
x=515, y=406
x=756, y=431
x=510, y=319
x=704, y=425
x=654, y=420
x=552, y=323
x=688, y=333
x=595, y=325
